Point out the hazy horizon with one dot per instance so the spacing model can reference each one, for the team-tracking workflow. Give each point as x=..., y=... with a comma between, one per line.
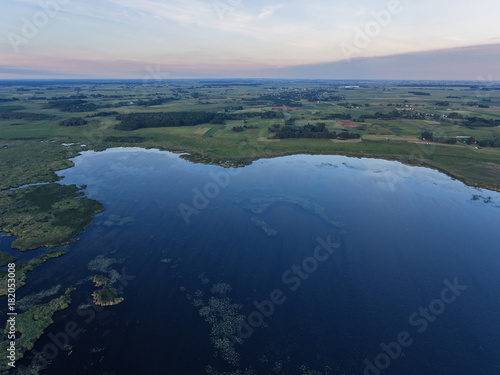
x=126, y=39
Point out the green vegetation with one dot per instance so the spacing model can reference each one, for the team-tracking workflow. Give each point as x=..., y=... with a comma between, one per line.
x=106, y=296
x=31, y=325
x=135, y=121
x=77, y=105
x=45, y=215
x=213, y=130
x=104, y=114
x=23, y=116
x=452, y=127
x=23, y=268
x=184, y=116
x=30, y=161
x=5, y=259
x=73, y=121
x=100, y=280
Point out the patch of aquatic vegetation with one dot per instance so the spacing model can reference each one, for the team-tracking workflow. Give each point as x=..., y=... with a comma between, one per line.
x=305, y=370
x=31, y=325
x=222, y=314
x=46, y=215
x=277, y=369
x=38, y=362
x=225, y=316
x=271, y=232
x=203, y=278
x=118, y=221
x=101, y=263
x=5, y=258
x=23, y=268
x=211, y=371
x=107, y=296
x=220, y=288
x=28, y=302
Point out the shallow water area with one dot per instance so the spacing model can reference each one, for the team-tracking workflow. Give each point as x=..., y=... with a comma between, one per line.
x=195, y=250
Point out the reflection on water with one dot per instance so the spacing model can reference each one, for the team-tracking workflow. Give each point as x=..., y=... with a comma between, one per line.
x=253, y=284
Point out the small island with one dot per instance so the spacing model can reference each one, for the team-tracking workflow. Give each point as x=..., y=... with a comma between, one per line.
x=106, y=297
x=100, y=280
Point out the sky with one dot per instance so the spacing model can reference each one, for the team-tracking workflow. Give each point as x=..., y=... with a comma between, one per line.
x=242, y=38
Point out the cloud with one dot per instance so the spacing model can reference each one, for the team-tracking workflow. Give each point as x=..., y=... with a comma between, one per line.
x=268, y=11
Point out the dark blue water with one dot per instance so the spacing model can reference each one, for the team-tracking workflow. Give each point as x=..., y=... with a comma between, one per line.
x=351, y=256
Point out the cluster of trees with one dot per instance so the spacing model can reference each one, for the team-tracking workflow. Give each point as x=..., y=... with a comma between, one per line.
x=135, y=121
x=477, y=104
x=479, y=122
x=429, y=136
x=394, y=115
x=72, y=105
x=337, y=116
x=73, y=121
x=80, y=105
x=474, y=122
x=104, y=114
x=443, y=104
x=419, y=93
x=271, y=115
x=455, y=116
x=492, y=142
x=23, y=116
x=310, y=131
x=353, y=105
x=333, y=98
x=71, y=97
x=157, y=101
x=240, y=116
x=244, y=127
x=5, y=100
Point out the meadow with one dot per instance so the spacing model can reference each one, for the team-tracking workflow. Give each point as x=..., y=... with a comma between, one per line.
x=390, y=118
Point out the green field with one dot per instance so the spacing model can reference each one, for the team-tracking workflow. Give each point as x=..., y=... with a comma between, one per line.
x=38, y=141
x=452, y=127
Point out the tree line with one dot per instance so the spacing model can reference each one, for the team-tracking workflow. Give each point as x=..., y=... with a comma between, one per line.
x=133, y=121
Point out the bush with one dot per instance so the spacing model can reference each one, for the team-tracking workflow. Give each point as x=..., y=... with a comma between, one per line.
x=73, y=121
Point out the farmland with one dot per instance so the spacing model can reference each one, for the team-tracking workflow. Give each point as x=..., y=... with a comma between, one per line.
x=449, y=126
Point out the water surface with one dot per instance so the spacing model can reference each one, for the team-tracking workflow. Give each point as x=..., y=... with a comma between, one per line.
x=198, y=246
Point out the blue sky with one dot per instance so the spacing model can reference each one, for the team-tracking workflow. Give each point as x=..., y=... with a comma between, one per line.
x=126, y=38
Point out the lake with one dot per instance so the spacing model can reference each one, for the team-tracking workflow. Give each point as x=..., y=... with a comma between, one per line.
x=294, y=265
